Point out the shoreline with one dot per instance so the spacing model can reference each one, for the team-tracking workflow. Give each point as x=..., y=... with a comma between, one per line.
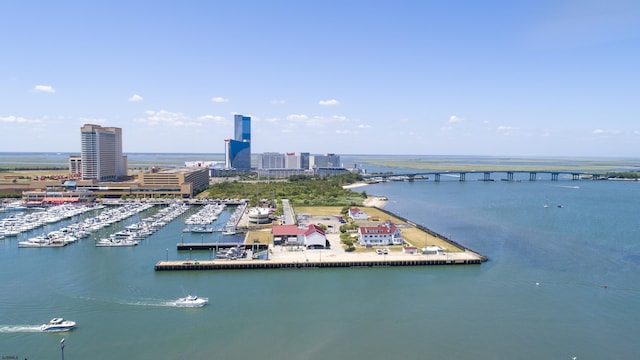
x=371, y=201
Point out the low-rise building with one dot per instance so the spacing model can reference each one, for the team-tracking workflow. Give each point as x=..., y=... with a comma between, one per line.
x=309, y=236
x=357, y=214
x=383, y=234
x=43, y=198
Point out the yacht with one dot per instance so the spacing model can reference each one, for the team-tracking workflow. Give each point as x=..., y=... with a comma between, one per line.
x=192, y=301
x=112, y=241
x=58, y=324
x=201, y=229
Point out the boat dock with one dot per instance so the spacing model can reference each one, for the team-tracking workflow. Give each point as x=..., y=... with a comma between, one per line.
x=420, y=260
x=213, y=246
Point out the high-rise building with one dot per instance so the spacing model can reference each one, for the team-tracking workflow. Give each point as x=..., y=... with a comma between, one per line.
x=242, y=128
x=238, y=149
x=271, y=160
x=101, y=154
x=326, y=160
x=297, y=160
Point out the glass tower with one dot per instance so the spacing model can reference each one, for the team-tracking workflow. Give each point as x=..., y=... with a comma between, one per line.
x=238, y=149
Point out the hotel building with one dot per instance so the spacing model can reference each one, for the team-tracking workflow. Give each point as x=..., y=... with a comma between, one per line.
x=101, y=153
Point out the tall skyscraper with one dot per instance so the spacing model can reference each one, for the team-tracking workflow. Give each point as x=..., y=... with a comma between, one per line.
x=242, y=128
x=101, y=153
x=238, y=149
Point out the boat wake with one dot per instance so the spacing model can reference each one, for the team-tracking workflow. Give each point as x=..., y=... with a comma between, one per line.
x=151, y=302
x=19, y=328
x=569, y=187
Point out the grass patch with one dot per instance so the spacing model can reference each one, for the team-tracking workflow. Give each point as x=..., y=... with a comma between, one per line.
x=263, y=237
x=411, y=234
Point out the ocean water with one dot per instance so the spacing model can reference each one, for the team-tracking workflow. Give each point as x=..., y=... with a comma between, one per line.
x=561, y=282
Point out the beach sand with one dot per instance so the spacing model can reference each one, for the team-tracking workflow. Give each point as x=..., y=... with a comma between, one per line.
x=371, y=201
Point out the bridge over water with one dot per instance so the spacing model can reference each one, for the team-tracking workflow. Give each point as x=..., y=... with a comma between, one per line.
x=487, y=175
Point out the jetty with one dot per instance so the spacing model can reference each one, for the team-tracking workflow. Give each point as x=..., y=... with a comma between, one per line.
x=315, y=260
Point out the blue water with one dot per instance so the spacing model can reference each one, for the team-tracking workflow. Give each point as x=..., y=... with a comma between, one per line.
x=561, y=282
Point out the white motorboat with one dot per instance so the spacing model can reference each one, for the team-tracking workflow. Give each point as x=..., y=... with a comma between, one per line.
x=115, y=242
x=58, y=324
x=201, y=229
x=192, y=301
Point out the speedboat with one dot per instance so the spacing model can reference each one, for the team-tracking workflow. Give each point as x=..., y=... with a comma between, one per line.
x=58, y=324
x=192, y=301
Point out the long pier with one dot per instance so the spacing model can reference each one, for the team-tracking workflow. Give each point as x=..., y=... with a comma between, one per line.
x=271, y=264
x=486, y=175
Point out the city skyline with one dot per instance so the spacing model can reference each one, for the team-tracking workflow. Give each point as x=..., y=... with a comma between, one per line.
x=547, y=78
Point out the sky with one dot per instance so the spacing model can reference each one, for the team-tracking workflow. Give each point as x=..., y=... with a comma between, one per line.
x=503, y=78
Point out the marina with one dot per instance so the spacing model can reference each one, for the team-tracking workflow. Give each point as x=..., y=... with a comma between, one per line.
x=548, y=263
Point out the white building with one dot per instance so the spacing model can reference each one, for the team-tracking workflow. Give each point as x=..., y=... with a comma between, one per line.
x=310, y=236
x=357, y=214
x=381, y=235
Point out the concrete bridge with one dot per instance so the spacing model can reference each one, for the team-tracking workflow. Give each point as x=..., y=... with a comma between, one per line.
x=486, y=175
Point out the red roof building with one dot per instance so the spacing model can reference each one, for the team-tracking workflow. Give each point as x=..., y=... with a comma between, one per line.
x=384, y=234
x=308, y=235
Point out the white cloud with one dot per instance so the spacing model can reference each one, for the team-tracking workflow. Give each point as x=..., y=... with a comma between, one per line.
x=330, y=102
x=455, y=119
x=17, y=120
x=297, y=117
x=603, y=132
x=219, y=99
x=277, y=102
x=505, y=130
x=344, y=132
x=317, y=121
x=220, y=120
x=44, y=88
x=272, y=120
x=167, y=118
x=135, y=98
x=364, y=126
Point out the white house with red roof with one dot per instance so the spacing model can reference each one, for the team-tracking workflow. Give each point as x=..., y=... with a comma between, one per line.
x=310, y=236
x=357, y=214
x=383, y=234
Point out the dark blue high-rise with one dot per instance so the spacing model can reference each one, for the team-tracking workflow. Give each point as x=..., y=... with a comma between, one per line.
x=242, y=128
x=238, y=149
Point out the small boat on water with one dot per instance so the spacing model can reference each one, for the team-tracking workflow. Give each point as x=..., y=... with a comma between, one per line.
x=192, y=301
x=58, y=324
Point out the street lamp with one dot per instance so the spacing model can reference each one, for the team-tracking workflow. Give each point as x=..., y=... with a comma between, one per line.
x=62, y=348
